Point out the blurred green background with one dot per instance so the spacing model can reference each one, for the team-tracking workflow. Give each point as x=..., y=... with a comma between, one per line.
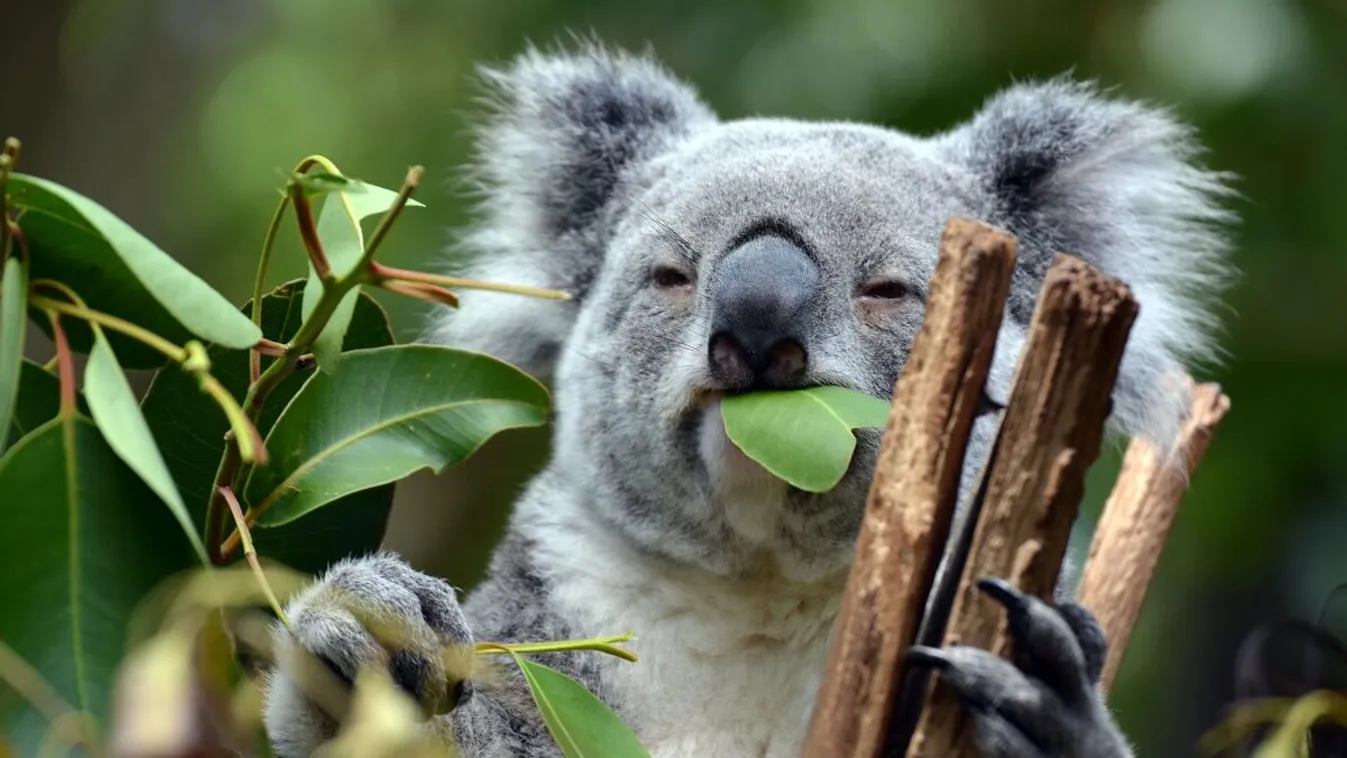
x=181, y=115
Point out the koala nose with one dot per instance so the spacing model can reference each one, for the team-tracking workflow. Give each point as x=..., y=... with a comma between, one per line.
x=761, y=303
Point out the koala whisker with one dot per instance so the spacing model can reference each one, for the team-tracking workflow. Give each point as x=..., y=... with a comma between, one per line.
x=690, y=253
x=596, y=361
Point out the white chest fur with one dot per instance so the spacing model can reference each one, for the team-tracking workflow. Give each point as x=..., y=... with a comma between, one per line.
x=727, y=669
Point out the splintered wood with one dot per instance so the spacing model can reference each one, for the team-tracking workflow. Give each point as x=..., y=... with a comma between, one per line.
x=1136, y=521
x=1051, y=433
x=912, y=498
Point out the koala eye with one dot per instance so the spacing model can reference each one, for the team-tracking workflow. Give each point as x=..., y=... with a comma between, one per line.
x=669, y=277
x=884, y=289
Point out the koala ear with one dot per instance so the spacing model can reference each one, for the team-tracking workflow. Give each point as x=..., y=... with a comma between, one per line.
x=1066, y=169
x=563, y=133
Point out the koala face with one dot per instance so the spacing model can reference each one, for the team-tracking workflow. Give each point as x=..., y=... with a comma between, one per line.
x=758, y=255
x=709, y=258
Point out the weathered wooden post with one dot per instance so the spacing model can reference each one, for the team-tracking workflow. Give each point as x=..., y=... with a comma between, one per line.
x=912, y=498
x=1049, y=436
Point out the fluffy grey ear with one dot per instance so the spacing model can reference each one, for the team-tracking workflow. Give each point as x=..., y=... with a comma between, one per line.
x=1066, y=169
x=563, y=133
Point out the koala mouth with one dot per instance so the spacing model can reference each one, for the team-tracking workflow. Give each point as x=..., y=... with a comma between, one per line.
x=724, y=461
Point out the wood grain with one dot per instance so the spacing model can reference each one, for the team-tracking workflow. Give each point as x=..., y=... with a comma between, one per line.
x=1136, y=520
x=1051, y=433
x=912, y=498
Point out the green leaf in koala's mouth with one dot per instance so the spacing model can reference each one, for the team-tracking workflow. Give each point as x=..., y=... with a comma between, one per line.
x=802, y=436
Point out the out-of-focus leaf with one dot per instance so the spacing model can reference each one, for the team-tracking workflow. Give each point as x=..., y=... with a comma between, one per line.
x=581, y=724
x=1291, y=739
x=190, y=431
x=118, y=416
x=83, y=542
x=13, y=326
x=115, y=269
x=161, y=707
x=802, y=436
x=384, y=722
x=343, y=242
x=389, y=411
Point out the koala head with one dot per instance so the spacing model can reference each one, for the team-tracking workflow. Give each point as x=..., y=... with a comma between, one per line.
x=709, y=257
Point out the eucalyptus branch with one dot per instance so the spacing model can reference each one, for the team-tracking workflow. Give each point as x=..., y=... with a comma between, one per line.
x=108, y=321
x=240, y=425
x=232, y=459
x=409, y=185
x=272, y=348
x=421, y=291
x=606, y=645
x=382, y=274
x=16, y=234
x=251, y=553
x=259, y=283
x=65, y=364
x=365, y=272
x=308, y=232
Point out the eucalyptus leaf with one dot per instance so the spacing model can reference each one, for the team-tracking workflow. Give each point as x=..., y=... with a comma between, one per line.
x=802, y=436
x=581, y=724
x=83, y=543
x=115, y=269
x=13, y=327
x=343, y=243
x=118, y=416
x=190, y=431
x=389, y=412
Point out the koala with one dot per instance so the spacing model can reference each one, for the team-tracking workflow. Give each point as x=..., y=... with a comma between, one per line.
x=708, y=257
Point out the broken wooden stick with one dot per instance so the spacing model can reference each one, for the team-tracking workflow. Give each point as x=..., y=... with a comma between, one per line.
x=1051, y=433
x=913, y=495
x=1135, y=524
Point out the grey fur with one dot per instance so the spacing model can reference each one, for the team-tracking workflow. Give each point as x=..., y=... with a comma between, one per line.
x=594, y=168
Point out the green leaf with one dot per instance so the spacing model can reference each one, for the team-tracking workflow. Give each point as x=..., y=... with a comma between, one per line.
x=581, y=724
x=343, y=243
x=802, y=436
x=83, y=544
x=118, y=416
x=389, y=411
x=13, y=327
x=37, y=402
x=190, y=431
x=115, y=269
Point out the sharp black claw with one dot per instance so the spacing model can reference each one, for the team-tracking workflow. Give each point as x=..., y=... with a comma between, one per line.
x=1001, y=591
x=919, y=655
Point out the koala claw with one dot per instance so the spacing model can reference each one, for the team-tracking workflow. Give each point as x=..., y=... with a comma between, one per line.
x=1044, y=703
x=375, y=611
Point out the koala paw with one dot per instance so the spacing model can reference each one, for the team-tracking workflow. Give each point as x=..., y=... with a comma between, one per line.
x=372, y=612
x=1044, y=704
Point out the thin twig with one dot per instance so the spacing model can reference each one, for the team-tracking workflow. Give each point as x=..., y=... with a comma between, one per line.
x=259, y=283
x=383, y=273
x=65, y=364
x=308, y=232
x=144, y=336
x=251, y=553
x=409, y=185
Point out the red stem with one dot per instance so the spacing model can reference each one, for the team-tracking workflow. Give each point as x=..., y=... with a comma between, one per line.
x=65, y=364
x=309, y=232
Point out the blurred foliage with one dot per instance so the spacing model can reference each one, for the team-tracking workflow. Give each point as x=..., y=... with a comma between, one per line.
x=196, y=105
